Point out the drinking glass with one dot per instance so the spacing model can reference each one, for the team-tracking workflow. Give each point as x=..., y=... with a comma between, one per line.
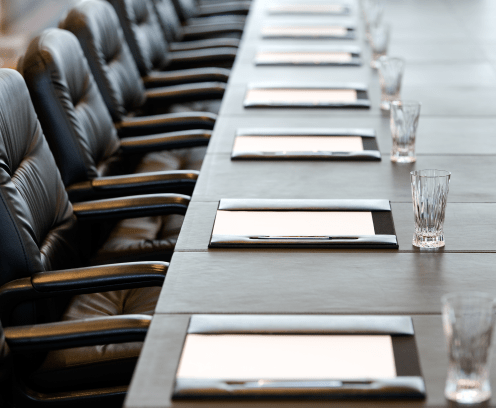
x=429, y=194
x=390, y=75
x=404, y=121
x=468, y=321
x=379, y=41
x=373, y=11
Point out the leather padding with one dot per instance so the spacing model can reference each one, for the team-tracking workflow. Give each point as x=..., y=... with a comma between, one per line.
x=34, y=207
x=96, y=26
x=70, y=107
x=94, y=367
x=168, y=19
x=143, y=34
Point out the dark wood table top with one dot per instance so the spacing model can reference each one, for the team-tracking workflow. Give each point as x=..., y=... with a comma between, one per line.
x=471, y=180
x=153, y=381
x=450, y=50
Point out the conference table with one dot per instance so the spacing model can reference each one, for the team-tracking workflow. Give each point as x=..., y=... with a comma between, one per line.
x=450, y=52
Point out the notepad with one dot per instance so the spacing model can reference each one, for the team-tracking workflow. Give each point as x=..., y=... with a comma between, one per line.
x=304, y=31
x=308, y=8
x=301, y=95
x=303, y=57
x=252, y=357
x=298, y=143
x=294, y=223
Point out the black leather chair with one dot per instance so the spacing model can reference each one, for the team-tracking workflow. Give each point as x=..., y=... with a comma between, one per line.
x=43, y=237
x=150, y=49
x=134, y=109
x=93, y=161
x=186, y=38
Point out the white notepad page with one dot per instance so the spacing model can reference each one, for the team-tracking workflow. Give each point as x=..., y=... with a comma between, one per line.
x=294, y=223
x=303, y=57
x=252, y=357
x=307, y=8
x=301, y=95
x=306, y=31
x=298, y=144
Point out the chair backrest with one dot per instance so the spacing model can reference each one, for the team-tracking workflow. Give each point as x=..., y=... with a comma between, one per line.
x=168, y=19
x=38, y=227
x=70, y=108
x=186, y=9
x=97, y=27
x=143, y=33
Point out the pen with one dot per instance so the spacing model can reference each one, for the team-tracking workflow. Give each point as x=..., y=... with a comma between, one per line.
x=323, y=237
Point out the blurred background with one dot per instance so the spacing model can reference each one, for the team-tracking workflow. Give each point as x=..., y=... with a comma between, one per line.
x=20, y=20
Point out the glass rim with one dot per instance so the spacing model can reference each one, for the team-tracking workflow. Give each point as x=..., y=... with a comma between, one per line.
x=468, y=294
x=387, y=57
x=416, y=173
x=409, y=102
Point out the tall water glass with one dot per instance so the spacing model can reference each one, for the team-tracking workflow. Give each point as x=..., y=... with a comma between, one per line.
x=379, y=41
x=390, y=76
x=468, y=321
x=404, y=121
x=429, y=193
x=373, y=11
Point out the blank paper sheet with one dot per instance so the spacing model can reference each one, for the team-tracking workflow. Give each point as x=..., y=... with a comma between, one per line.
x=300, y=95
x=304, y=31
x=298, y=144
x=316, y=57
x=252, y=357
x=294, y=223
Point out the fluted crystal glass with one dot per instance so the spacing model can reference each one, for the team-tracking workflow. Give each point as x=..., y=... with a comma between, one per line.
x=404, y=122
x=390, y=76
x=430, y=194
x=379, y=41
x=468, y=322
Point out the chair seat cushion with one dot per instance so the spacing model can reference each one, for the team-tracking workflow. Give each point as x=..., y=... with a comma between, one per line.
x=140, y=239
x=98, y=366
x=149, y=238
x=206, y=105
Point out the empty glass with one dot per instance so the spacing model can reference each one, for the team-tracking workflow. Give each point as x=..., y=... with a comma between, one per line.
x=404, y=121
x=429, y=193
x=373, y=11
x=390, y=75
x=468, y=321
x=379, y=41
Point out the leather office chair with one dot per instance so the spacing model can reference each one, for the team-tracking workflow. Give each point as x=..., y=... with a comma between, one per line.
x=43, y=237
x=183, y=38
x=133, y=110
x=150, y=49
x=94, y=163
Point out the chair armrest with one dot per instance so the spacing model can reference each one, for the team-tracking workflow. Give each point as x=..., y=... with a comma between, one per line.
x=77, y=333
x=165, y=141
x=185, y=92
x=132, y=207
x=195, y=31
x=149, y=125
x=204, y=44
x=186, y=76
x=77, y=281
x=206, y=56
x=226, y=8
x=135, y=184
x=96, y=278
